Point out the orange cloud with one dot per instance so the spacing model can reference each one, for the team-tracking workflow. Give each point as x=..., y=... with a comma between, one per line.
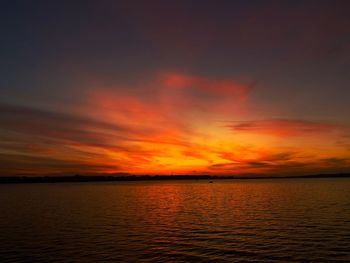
x=169, y=124
x=283, y=127
x=290, y=167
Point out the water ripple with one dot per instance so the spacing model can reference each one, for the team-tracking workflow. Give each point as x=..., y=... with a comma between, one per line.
x=227, y=221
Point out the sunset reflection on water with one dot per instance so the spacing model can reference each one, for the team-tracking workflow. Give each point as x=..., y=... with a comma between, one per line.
x=227, y=220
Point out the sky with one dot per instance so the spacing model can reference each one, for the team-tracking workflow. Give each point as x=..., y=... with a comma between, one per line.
x=174, y=87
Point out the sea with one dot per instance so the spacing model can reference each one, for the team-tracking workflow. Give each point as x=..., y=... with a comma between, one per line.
x=260, y=220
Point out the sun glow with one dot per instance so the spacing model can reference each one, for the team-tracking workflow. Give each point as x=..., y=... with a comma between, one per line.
x=180, y=124
x=175, y=131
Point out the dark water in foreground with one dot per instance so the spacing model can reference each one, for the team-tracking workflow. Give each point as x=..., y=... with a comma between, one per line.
x=177, y=221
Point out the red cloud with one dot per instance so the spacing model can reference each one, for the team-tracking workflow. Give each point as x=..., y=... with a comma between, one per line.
x=197, y=93
x=171, y=96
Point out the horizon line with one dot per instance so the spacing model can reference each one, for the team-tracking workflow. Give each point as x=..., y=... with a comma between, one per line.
x=112, y=178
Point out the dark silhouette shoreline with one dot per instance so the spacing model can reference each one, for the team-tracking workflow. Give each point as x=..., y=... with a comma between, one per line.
x=126, y=178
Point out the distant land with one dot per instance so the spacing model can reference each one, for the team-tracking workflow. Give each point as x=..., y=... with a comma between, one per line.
x=112, y=178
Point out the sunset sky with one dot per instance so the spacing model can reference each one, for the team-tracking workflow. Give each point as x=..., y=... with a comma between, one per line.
x=175, y=87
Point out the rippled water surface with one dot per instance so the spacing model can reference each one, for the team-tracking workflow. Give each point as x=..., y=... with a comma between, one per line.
x=176, y=221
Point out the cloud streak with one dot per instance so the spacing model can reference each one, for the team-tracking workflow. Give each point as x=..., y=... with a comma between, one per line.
x=171, y=123
x=284, y=127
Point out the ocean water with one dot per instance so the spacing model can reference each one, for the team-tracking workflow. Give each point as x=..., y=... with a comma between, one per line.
x=288, y=220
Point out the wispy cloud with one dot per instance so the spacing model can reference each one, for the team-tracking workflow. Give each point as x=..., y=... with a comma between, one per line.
x=168, y=124
x=41, y=140
x=285, y=167
x=283, y=127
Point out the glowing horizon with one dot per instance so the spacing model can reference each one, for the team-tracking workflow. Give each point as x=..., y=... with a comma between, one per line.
x=174, y=132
